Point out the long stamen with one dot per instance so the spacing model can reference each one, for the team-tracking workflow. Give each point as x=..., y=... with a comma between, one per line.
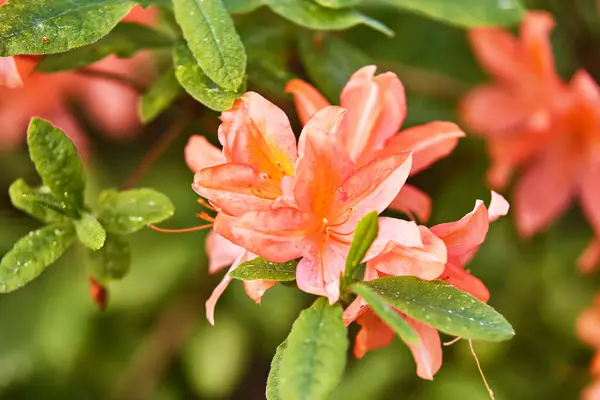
x=347, y=214
x=489, y=389
x=451, y=342
x=205, y=204
x=204, y=215
x=192, y=229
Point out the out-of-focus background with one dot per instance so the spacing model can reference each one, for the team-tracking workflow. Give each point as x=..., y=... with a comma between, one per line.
x=153, y=341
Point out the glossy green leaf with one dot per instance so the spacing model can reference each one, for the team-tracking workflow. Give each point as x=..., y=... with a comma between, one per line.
x=158, y=3
x=364, y=235
x=331, y=63
x=273, y=392
x=112, y=261
x=242, y=6
x=55, y=26
x=90, y=232
x=131, y=210
x=338, y=3
x=56, y=161
x=385, y=312
x=444, y=307
x=32, y=254
x=123, y=41
x=213, y=40
x=466, y=13
x=315, y=355
x=28, y=200
x=310, y=15
x=261, y=269
x=160, y=96
x=198, y=84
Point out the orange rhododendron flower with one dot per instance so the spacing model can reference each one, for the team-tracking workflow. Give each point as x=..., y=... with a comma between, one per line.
x=588, y=330
x=534, y=121
x=376, y=109
x=456, y=243
x=25, y=93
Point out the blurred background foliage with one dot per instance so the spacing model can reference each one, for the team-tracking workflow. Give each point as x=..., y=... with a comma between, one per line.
x=153, y=341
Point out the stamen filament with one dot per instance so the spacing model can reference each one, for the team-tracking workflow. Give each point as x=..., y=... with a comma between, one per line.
x=205, y=204
x=183, y=230
x=451, y=342
x=204, y=215
x=487, y=386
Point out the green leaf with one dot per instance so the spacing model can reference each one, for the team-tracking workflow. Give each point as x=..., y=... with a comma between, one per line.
x=32, y=254
x=198, y=84
x=56, y=161
x=124, y=41
x=466, y=13
x=212, y=39
x=242, y=6
x=261, y=269
x=315, y=355
x=337, y=3
x=444, y=307
x=310, y=15
x=385, y=312
x=28, y=200
x=273, y=392
x=364, y=235
x=160, y=96
x=55, y=26
x=90, y=232
x=330, y=64
x=158, y=3
x=112, y=261
x=131, y=210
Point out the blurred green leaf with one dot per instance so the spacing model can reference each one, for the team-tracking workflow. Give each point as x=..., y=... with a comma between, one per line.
x=338, y=3
x=214, y=359
x=27, y=199
x=385, y=312
x=466, y=13
x=330, y=63
x=124, y=41
x=273, y=379
x=213, y=40
x=261, y=269
x=32, y=254
x=365, y=233
x=55, y=26
x=160, y=96
x=310, y=15
x=131, y=210
x=198, y=84
x=90, y=232
x=112, y=261
x=443, y=307
x=242, y=6
x=315, y=355
x=56, y=161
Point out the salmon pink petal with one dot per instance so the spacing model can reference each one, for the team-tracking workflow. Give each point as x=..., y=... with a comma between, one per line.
x=412, y=202
x=141, y=15
x=374, y=333
x=543, y=193
x=465, y=234
x=428, y=143
x=221, y=252
x=535, y=35
x=9, y=74
x=258, y=133
x=256, y=289
x=590, y=197
x=307, y=99
x=200, y=154
x=499, y=52
x=591, y=392
x=428, y=351
x=463, y=280
x=326, y=121
x=590, y=259
x=319, y=272
x=322, y=167
x=393, y=108
x=498, y=207
x=278, y=235
x=235, y=188
x=588, y=327
x=426, y=261
x=394, y=232
x=373, y=187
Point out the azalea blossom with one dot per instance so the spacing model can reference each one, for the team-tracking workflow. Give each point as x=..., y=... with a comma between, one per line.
x=452, y=246
x=375, y=110
x=588, y=330
x=533, y=121
x=25, y=93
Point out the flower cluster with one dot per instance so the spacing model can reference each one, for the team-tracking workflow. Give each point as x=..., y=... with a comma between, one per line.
x=283, y=199
x=534, y=121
